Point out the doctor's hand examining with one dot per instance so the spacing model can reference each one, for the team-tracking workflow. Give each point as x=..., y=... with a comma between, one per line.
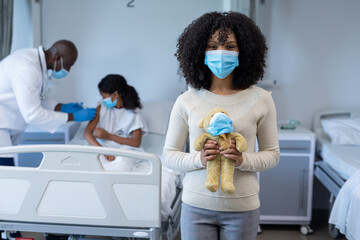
x=76, y=111
x=23, y=82
x=70, y=107
x=82, y=115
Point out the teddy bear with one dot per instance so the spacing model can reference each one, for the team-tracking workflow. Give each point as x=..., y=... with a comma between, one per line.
x=218, y=127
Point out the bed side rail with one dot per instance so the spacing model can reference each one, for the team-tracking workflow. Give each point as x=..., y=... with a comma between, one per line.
x=328, y=177
x=71, y=187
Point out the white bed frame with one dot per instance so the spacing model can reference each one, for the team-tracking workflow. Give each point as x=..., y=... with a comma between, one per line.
x=71, y=193
x=325, y=174
x=349, y=113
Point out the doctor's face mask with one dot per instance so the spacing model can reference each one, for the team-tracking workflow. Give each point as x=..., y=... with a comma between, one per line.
x=61, y=73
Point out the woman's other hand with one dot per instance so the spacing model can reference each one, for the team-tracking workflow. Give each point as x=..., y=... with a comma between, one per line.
x=232, y=153
x=209, y=151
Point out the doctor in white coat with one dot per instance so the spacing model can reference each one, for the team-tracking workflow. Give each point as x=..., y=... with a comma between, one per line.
x=23, y=80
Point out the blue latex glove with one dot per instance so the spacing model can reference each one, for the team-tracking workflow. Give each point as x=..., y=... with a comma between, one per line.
x=84, y=114
x=70, y=107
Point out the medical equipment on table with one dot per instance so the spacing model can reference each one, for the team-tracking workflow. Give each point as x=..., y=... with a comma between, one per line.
x=290, y=124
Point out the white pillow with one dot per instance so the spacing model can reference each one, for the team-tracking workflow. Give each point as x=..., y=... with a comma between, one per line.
x=156, y=116
x=342, y=131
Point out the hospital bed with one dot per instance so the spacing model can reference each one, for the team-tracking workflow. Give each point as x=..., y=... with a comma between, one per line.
x=71, y=193
x=338, y=138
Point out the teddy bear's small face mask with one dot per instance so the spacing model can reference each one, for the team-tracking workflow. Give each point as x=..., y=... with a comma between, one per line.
x=220, y=123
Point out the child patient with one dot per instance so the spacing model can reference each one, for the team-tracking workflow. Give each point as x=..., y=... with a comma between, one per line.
x=117, y=123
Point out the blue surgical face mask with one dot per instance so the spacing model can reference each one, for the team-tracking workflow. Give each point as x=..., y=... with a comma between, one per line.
x=220, y=124
x=61, y=73
x=108, y=102
x=221, y=62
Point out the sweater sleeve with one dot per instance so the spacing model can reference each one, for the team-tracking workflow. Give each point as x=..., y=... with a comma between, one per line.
x=268, y=155
x=174, y=156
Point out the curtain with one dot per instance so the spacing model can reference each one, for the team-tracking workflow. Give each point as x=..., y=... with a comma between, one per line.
x=252, y=10
x=6, y=27
x=248, y=7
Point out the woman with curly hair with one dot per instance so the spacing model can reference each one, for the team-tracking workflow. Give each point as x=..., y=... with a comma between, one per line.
x=222, y=57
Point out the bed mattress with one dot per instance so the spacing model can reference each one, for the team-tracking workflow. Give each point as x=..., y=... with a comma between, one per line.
x=345, y=159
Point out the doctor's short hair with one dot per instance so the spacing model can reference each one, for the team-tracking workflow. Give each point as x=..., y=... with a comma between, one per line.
x=193, y=41
x=115, y=82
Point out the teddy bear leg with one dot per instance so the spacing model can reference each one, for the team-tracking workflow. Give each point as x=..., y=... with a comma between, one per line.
x=227, y=175
x=212, y=174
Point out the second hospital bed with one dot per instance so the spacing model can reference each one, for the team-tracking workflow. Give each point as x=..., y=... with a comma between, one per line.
x=338, y=139
x=71, y=193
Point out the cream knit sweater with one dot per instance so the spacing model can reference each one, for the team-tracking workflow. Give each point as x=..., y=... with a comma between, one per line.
x=254, y=116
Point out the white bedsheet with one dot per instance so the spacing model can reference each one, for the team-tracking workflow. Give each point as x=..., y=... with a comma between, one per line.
x=345, y=213
x=345, y=159
x=151, y=143
x=169, y=178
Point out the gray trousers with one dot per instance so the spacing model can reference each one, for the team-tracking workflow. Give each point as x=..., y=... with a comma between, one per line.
x=197, y=223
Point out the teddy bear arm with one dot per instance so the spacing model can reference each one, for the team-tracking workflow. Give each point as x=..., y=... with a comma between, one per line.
x=201, y=140
x=241, y=144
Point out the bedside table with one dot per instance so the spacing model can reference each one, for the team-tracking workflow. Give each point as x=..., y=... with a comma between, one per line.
x=286, y=190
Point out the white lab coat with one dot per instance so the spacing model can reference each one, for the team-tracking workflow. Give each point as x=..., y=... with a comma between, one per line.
x=22, y=83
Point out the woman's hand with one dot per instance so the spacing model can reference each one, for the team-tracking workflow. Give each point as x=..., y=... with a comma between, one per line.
x=209, y=151
x=109, y=157
x=232, y=153
x=101, y=133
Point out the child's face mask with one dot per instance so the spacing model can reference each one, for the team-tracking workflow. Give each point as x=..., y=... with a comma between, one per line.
x=108, y=102
x=220, y=124
x=221, y=62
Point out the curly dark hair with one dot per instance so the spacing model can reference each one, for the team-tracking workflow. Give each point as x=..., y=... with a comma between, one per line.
x=193, y=41
x=115, y=82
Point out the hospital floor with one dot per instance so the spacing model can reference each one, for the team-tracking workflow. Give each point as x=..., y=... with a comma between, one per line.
x=270, y=232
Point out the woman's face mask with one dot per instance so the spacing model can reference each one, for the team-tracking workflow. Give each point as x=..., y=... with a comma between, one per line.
x=108, y=102
x=221, y=62
x=61, y=73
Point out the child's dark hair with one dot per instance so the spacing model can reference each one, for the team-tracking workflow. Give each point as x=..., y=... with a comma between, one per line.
x=193, y=41
x=115, y=82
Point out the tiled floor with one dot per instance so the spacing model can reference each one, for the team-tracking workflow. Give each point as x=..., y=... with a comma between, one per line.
x=319, y=226
x=271, y=232
x=293, y=233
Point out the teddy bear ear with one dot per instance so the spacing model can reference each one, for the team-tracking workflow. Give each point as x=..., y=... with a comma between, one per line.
x=200, y=123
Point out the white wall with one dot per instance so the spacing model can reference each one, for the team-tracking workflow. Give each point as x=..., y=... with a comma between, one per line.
x=314, y=50
x=137, y=42
x=22, y=26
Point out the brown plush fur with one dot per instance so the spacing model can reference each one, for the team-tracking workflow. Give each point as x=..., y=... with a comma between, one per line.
x=220, y=164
